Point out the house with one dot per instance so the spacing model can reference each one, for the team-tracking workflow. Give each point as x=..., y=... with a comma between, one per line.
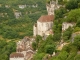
x=66, y=25
x=24, y=50
x=16, y=56
x=44, y=25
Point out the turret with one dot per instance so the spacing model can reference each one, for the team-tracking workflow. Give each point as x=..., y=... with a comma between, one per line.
x=51, y=7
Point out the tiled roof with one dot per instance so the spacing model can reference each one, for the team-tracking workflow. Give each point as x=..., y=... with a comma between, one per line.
x=16, y=55
x=46, y=18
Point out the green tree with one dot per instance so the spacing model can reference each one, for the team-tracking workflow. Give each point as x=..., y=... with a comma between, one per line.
x=49, y=49
x=67, y=34
x=34, y=45
x=77, y=57
x=71, y=4
x=63, y=55
x=38, y=56
x=77, y=41
x=60, y=13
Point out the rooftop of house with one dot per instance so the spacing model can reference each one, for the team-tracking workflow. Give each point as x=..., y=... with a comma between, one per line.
x=46, y=18
x=16, y=55
x=20, y=50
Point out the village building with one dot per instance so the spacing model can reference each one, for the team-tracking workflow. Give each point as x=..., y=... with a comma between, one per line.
x=24, y=50
x=16, y=56
x=44, y=24
x=43, y=27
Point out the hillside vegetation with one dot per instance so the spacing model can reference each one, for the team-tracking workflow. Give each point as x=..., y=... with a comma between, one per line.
x=17, y=22
x=70, y=38
x=12, y=28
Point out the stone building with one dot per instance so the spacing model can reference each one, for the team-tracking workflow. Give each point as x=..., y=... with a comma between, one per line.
x=44, y=25
x=16, y=56
x=53, y=5
x=24, y=50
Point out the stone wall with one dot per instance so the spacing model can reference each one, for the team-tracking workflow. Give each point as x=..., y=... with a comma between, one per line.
x=43, y=27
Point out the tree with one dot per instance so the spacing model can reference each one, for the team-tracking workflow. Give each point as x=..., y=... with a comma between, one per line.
x=73, y=15
x=78, y=23
x=67, y=34
x=49, y=49
x=71, y=4
x=63, y=55
x=77, y=41
x=34, y=45
x=56, y=36
x=60, y=13
x=38, y=56
x=77, y=57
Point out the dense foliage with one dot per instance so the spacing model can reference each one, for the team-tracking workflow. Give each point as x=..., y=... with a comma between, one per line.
x=70, y=13
x=6, y=48
x=10, y=27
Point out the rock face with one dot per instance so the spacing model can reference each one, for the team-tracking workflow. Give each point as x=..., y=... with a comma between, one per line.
x=66, y=25
x=24, y=50
x=17, y=14
x=22, y=6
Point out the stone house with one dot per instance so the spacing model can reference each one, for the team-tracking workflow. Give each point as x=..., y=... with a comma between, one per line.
x=24, y=50
x=44, y=25
x=16, y=56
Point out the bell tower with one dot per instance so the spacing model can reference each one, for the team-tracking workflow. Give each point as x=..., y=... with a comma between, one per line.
x=52, y=6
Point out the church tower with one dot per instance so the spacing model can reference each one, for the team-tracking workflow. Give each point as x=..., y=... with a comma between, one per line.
x=53, y=5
